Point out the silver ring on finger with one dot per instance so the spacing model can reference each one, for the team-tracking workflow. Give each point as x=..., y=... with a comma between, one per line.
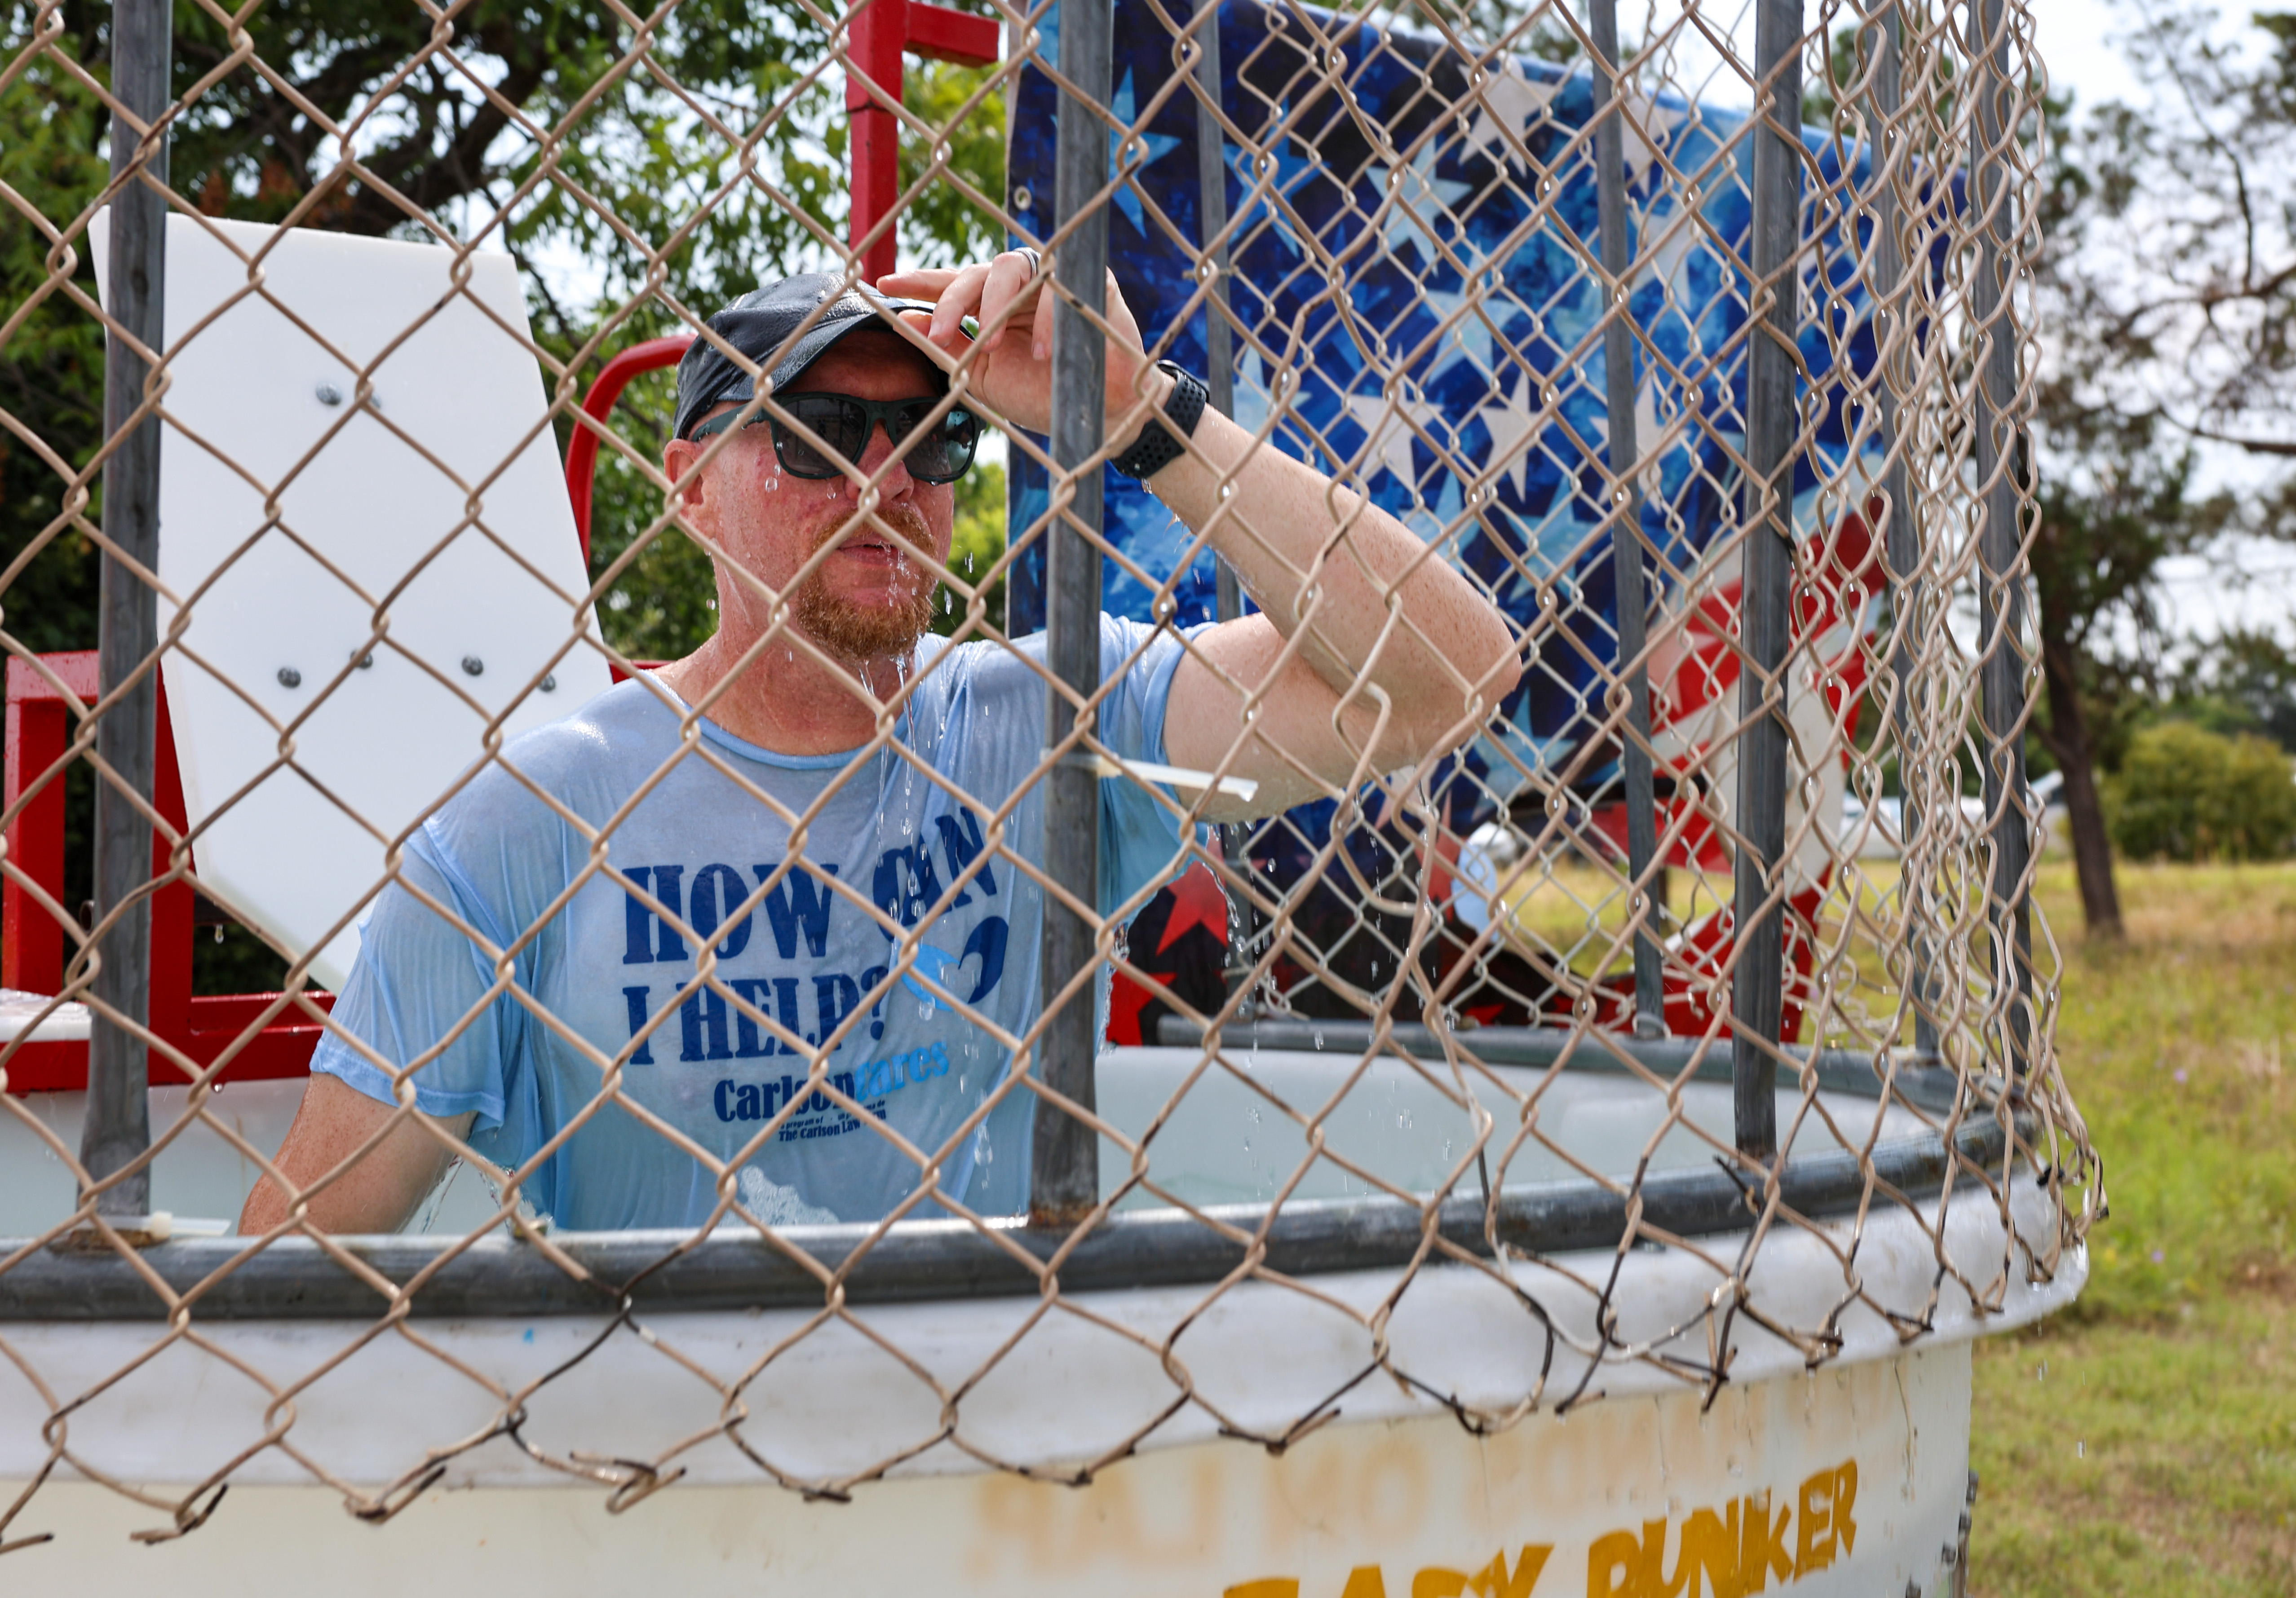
x=1035, y=259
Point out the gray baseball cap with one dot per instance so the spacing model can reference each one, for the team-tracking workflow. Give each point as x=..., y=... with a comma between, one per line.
x=760, y=326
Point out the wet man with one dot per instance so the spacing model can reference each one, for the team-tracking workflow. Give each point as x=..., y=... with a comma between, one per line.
x=825, y=786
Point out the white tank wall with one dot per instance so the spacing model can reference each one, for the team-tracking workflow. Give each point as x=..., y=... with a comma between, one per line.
x=201, y=1175
x=1224, y=1141
x=1393, y=1482
x=1418, y=1499
x=1227, y=1142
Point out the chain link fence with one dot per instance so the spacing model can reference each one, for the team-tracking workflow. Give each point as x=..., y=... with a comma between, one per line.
x=1151, y=937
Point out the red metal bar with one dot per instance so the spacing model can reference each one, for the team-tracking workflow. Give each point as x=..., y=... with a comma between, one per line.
x=582, y=454
x=874, y=43
x=881, y=30
x=38, y=727
x=171, y=906
x=32, y=957
x=939, y=33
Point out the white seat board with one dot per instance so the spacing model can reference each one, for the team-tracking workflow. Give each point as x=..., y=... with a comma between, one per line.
x=454, y=529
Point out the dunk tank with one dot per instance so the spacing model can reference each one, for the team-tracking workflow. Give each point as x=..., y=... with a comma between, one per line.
x=1580, y=1163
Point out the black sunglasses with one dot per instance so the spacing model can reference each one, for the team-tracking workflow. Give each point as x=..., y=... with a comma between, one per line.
x=939, y=451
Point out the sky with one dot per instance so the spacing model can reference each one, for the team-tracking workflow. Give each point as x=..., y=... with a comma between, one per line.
x=2079, y=42
x=2077, y=39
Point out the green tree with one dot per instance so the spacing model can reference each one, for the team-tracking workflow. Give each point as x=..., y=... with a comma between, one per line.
x=2242, y=680
x=2164, y=292
x=2114, y=509
x=629, y=190
x=2185, y=793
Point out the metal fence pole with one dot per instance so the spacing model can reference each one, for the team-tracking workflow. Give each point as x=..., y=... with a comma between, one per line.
x=1064, y=1182
x=1757, y=995
x=1211, y=181
x=118, y=1125
x=1626, y=527
x=1902, y=540
x=1219, y=355
x=2001, y=589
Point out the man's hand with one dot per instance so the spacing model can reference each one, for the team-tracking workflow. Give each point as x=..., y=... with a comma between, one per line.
x=1371, y=655
x=1010, y=368
x=377, y=1194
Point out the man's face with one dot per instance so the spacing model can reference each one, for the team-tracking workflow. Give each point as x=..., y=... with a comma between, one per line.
x=872, y=595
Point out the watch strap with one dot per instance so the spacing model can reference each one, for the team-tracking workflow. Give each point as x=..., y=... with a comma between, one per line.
x=1157, y=447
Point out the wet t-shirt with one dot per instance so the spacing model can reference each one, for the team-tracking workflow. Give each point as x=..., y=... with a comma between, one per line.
x=829, y=839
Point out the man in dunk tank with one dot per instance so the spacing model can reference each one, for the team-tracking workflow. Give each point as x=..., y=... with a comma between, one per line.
x=1433, y=330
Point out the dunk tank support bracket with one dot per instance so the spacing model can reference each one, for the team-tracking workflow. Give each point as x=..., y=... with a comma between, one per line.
x=1996, y=434
x=597, y=406
x=1909, y=598
x=1625, y=510
x=117, y=1131
x=1757, y=995
x=1064, y=1178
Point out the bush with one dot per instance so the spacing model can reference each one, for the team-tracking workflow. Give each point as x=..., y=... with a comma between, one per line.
x=2184, y=794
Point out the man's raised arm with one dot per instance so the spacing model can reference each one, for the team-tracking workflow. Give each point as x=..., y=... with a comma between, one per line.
x=1371, y=653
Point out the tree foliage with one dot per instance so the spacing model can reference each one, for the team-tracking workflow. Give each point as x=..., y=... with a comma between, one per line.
x=2163, y=294
x=2185, y=793
x=631, y=192
x=2242, y=680
x=2177, y=270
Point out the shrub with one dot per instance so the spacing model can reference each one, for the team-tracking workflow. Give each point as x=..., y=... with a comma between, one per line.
x=2184, y=794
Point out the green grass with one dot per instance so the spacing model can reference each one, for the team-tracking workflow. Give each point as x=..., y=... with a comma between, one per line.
x=2145, y=1441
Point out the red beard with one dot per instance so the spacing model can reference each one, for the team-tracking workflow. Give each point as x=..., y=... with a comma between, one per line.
x=891, y=623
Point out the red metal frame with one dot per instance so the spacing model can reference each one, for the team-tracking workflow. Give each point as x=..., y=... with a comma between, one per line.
x=582, y=451
x=39, y=723
x=880, y=32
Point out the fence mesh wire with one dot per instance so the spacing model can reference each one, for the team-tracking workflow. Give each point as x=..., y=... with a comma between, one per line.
x=1401, y=260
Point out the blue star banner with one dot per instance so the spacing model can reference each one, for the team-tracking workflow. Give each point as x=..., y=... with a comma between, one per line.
x=1414, y=238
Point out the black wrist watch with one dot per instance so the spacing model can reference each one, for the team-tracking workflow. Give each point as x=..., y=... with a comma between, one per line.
x=1156, y=448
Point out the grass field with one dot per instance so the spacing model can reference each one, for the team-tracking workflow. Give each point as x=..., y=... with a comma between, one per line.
x=2145, y=1441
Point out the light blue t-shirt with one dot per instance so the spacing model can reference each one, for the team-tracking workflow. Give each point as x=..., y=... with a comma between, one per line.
x=875, y=831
